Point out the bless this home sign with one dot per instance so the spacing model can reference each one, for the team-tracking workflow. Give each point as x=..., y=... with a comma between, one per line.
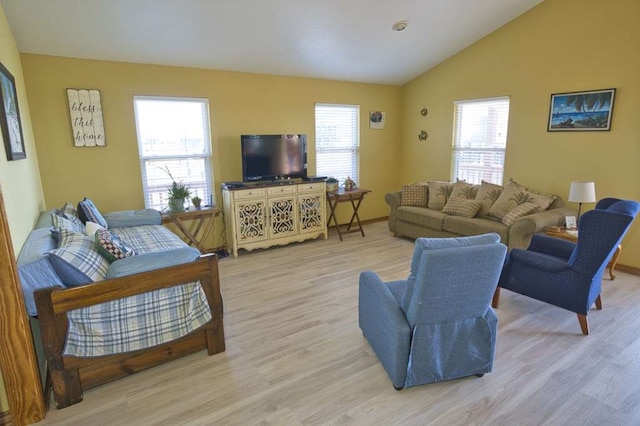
x=85, y=110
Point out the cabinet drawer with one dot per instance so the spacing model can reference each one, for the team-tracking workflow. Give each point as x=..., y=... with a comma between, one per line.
x=280, y=190
x=249, y=193
x=311, y=187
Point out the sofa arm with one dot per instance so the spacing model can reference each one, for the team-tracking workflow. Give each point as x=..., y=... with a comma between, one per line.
x=521, y=232
x=151, y=261
x=127, y=218
x=393, y=199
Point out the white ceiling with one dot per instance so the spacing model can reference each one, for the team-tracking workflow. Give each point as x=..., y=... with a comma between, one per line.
x=348, y=40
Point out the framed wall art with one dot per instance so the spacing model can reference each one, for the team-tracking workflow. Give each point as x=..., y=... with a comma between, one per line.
x=85, y=111
x=10, y=117
x=581, y=111
x=376, y=119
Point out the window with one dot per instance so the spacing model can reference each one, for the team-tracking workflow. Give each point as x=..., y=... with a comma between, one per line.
x=174, y=144
x=480, y=140
x=337, y=141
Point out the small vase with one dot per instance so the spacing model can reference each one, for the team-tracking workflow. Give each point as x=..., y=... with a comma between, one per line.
x=176, y=205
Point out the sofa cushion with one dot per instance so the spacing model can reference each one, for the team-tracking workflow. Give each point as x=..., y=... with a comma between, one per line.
x=76, y=260
x=88, y=211
x=514, y=195
x=68, y=210
x=518, y=212
x=60, y=222
x=432, y=219
x=475, y=226
x=152, y=261
x=129, y=218
x=111, y=246
x=487, y=195
x=461, y=207
x=414, y=195
x=464, y=190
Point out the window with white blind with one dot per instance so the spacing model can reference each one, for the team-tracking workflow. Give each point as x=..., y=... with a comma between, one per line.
x=338, y=141
x=480, y=140
x=174, y=144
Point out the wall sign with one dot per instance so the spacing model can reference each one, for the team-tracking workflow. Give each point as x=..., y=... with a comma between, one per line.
x=85, y=110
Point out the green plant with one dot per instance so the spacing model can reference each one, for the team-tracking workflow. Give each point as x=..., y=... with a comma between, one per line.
x=196, y=201
x=179, y=191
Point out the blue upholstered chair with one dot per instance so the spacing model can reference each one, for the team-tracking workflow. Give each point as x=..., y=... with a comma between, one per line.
x=566, y=274
x=437, y=324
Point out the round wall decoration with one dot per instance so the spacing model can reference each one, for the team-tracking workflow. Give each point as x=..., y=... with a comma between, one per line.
x=424, y=112
x=423, y=135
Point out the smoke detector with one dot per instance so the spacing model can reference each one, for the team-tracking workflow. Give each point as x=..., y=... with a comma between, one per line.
x=399, y=26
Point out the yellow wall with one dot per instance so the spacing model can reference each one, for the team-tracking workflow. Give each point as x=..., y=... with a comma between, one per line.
x=559, y=46
x=20, y=180
x=239, y=103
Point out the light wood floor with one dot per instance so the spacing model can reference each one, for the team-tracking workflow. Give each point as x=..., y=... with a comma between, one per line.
x=295, y=355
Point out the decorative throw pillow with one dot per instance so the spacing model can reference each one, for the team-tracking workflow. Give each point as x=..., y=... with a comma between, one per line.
x=76, y=260
x=514, y=195
x=91, y=228
x=518, y=212
x=439, y=193
x=68, y=211
x=111, y=246
x=458, y=206
x=414, y=195
x=464, y=190
x=88, y=211
x=487, y=195
x=61, y=222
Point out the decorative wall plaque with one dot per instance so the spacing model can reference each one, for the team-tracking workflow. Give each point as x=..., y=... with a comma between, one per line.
x=85, y=110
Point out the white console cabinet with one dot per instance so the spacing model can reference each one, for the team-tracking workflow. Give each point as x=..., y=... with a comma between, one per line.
x=264, y=216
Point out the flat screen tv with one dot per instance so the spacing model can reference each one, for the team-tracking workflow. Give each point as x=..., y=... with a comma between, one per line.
x=273, y=157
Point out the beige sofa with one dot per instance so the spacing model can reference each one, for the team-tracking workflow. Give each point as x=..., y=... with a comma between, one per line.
x=414, y=222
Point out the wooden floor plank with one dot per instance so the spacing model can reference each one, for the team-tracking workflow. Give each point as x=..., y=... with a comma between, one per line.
x=295, y=355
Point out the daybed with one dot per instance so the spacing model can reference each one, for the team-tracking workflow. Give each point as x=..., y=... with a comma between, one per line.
x=445, y=209
x=118, y=300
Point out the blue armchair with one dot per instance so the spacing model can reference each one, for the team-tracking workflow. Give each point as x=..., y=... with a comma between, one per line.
x=566, y=274
x=437, y=324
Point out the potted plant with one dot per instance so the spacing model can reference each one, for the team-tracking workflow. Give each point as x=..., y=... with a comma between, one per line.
x=178, y=193
x=196, y=202
x=332, y=184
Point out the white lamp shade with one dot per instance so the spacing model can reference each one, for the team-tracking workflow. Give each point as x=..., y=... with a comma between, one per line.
x=582, y=192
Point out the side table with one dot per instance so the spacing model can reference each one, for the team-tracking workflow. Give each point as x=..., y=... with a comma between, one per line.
x=201, y=227
x=354, y=196
x=574, y=238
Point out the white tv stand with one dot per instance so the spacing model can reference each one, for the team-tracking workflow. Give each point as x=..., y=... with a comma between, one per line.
x=265, y=215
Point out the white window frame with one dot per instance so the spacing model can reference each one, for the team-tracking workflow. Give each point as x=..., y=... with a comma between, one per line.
x=325, y=140
x=204, y=191
x=496, y=141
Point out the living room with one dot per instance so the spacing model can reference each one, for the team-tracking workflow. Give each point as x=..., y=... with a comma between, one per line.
x=551, y=48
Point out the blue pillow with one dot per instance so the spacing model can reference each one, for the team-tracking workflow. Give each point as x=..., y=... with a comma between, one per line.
x=76, y=260
x=35, y=276
x=88, y=211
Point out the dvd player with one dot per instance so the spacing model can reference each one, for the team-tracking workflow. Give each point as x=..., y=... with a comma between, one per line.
x=234, y=184
x=314, y=178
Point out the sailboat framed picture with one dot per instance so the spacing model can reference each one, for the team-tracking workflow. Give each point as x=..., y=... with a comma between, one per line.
x=581, y=111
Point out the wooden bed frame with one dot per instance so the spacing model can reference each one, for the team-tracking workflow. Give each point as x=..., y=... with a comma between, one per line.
x=70, y=375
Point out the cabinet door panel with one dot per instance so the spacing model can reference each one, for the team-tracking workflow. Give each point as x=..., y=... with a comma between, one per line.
x=250, y=221
x=282, y=217
x=311, y=212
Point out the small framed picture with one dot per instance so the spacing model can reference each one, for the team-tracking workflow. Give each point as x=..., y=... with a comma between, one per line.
x=570, y=222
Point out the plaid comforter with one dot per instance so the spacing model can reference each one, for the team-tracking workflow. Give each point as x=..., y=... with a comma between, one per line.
x=143, y=320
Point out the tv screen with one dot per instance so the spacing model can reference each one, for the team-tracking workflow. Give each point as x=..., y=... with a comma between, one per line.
x=272, y=157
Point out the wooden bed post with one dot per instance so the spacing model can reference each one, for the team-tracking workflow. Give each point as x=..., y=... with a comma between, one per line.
x=215, y=334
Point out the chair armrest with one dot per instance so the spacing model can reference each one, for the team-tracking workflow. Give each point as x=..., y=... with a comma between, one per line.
x=393, y=200
x=552, y=246
x=543, y=262
x=521, y=231
x=127, y=218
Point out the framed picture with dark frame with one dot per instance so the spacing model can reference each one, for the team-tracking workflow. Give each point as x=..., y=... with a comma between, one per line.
x=10, y=117
x=581, y=111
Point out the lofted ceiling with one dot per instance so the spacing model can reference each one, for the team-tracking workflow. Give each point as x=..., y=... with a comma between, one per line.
x=349, y=40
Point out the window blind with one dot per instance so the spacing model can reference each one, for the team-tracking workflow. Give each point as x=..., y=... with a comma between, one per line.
x=338, y=141
x=173, y=144
x=480, y=140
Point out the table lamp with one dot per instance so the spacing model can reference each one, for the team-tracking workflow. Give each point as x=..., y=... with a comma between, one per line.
x=582, y=192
